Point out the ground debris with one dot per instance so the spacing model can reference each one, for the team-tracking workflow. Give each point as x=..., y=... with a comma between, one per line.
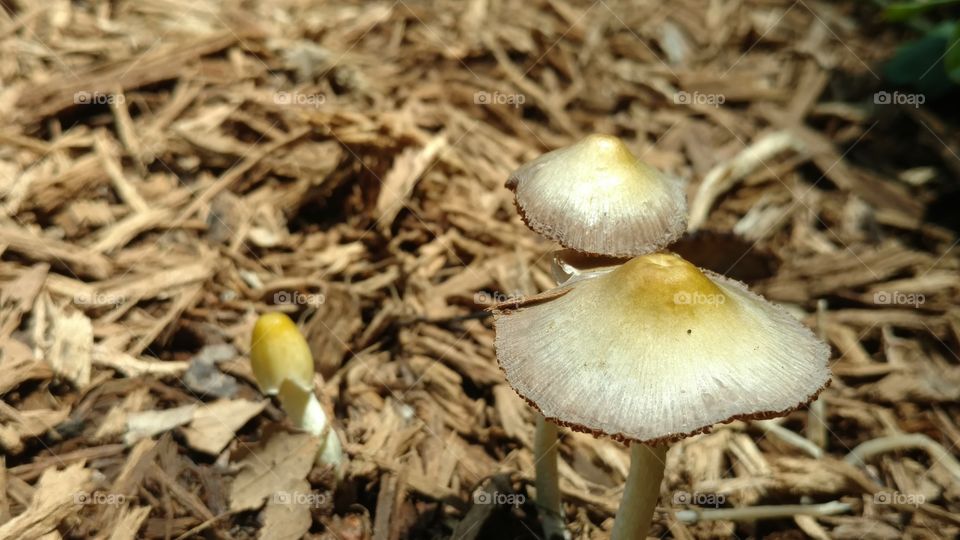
x=170, y=171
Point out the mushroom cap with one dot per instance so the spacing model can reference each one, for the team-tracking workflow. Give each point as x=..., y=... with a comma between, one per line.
x=657, y=350
x=279, y=352
x=595, y=196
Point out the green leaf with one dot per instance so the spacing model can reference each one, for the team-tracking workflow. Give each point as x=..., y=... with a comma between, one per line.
x=951, y=61
x=920, y=63
x=902, y=11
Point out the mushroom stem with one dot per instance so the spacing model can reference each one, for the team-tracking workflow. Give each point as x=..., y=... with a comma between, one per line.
x=641, y=492
x=548, y=482
x=305, y=411
x=817, y=417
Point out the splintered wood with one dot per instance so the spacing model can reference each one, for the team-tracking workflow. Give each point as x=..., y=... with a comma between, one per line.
x=170, y=169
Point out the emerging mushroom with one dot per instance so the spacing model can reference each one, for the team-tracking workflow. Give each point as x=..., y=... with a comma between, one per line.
x=283, y=367
x=596, y=197
x=651, y=352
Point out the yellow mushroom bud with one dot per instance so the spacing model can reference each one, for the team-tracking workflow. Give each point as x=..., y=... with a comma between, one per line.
x=283, y=366
x=278, y=351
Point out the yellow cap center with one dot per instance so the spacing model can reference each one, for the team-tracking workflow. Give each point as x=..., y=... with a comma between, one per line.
x=665, y=283
x=614, y=169
x=609, y=149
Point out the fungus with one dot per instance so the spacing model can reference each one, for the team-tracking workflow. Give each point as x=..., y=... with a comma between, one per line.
x=651, y=352
x=283, y=367
x=604, y=205
x=596, y=197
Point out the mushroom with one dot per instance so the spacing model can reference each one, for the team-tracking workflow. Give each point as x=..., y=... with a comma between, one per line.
x=651, y=352
x=568, y=266
x=596, y=197
x=283, y=367
x=603, y=204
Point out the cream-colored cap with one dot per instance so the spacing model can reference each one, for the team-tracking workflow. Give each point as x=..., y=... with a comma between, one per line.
x=596, y=197
x=657, y=350
x=279, y=352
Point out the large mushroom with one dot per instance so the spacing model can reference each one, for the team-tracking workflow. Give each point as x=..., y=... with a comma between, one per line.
x=651, y=352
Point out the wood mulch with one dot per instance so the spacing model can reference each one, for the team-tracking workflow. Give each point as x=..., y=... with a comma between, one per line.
x=170, y=169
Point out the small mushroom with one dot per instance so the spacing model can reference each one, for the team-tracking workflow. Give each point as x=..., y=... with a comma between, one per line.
x=283, y=367
x=651, y=352
x=596, y=197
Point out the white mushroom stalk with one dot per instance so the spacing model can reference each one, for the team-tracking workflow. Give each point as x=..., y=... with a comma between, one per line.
x=305, y=411
x=547, y=480
x=641, y=491
x=654, y=351
x=283, y=367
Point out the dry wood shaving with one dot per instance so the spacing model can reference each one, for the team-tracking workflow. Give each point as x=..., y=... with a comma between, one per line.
x=171, y=169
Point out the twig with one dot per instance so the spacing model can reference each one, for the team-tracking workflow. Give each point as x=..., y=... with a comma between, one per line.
x=771, y=427
x=864, y=451
x=725, y=175
x=470, y=526
x=204, y=526
x=752, y=513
